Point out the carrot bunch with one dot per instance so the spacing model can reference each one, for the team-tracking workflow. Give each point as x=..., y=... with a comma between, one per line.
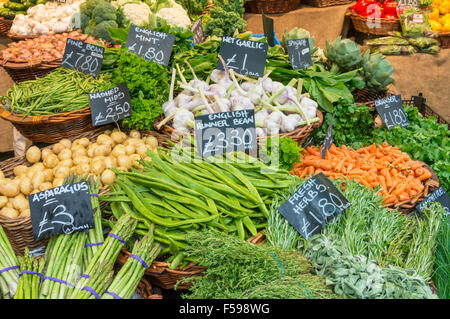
x=401, y=179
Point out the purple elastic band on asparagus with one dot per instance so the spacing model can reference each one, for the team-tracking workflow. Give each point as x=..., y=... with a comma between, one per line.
x=112, y=294
x=95, y=195
x=117, y=237
x=30, y=272
x=8, y=268
x=85, y=276
x=140, y=260
x=92, y=291
x=93, y=244
x=59, y=280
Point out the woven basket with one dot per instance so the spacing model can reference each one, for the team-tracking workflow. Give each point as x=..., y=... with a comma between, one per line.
x=271, y=6
x=299, y=135
x=444, y=40
x=159, y=273
x=326, y=3
x=380, y=26
x=5, y=25
x=145, y=289
x=19, y=230
x=20, y=72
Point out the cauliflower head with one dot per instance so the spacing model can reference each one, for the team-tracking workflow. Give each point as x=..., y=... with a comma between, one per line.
x=137, y=13
x=175, y=16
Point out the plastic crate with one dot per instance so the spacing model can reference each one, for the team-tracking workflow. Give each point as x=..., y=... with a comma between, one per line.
x=420, y=102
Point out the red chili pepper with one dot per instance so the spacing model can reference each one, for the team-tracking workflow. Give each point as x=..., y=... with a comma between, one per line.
x=361, y=6
x=390, y=7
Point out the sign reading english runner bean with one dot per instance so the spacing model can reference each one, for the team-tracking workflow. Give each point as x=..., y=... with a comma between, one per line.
x=224, y=132
x=152, y=45
x=299, y=53
x=83, y=57
x=315, y=203
x=61, y=210
x=391, y=111
x=245, y=57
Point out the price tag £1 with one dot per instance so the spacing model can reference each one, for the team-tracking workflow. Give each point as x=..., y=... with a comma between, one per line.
x=315, y=203
x=225, y=132
x=83, y=57
x=391, y=111
x=111, y=105
x=61, y=210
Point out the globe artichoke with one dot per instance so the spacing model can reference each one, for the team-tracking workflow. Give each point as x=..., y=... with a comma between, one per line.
x=344, y=53
x=377, y=71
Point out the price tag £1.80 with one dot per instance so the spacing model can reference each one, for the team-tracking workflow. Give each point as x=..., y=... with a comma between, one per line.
x=110, y=106
x=83, y=57
x=391, y=111
x=61, y=210
x=310, y=208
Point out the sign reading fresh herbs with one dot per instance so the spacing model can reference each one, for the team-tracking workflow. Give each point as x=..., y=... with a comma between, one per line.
x=83, y=57
x=299, y=53
x=197, y=30
x=61, y=210
x=224, y=132
x=316, y=202
x=152, y=45
x=391, y=111
x=245, y=57
x=440, y=196
x=111, y=105
x=328, y=141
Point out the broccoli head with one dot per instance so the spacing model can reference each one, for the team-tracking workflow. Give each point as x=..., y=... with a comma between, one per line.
x=101, y=30
x=89, y=6
x=104, y=11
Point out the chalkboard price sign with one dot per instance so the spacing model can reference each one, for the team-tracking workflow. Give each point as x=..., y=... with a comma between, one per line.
x=197, y=30
x=83, y=57
x=152, y=45
x=328, y=140
x=315, y=203
x=245, y=57
x=299, y=53
x=440, y=196
x=391, y=111
x=225, y=132
x=61, y=210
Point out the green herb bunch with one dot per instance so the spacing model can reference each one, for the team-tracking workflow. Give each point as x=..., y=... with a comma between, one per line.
x=225, y=18
x=287, y=151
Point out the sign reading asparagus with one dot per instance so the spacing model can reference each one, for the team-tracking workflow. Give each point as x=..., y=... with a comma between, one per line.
x=440, y=196
x=83, y=57
x=299, y=53
x=245, y=57
x=61, y=210
x=391, y=111
x=224, y=132
x=316, y=202
x=152, y=45
x=111, y=105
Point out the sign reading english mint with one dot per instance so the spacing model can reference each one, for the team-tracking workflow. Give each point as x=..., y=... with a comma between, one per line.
x=440, y=196
x=299, y=53
x=391, y=111
x=152, y=45
x=245, y=57
x=224, y=132
x=110, y=106
x=61, y=210
x=316, y=202
x=83, y=57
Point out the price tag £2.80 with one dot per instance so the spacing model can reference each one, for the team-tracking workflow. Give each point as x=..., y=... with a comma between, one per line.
x=310, y=208
x=110, y=106
x=245, y=57
x=225, y=132
x=83, y=57
x=391, y=111
x=61, y=210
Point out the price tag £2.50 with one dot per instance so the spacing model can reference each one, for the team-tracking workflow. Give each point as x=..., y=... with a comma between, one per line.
x=83, y=57
x=391, y=111
x=111, y=105
x=61, y=210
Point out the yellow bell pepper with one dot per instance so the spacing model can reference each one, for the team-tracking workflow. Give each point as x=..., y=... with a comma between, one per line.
x=436, y=26
x=436, y=3
x=446, y=27
x=444, y=8
x=434, y=15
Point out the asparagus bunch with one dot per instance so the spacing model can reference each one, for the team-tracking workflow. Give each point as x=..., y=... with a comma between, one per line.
x=97, y=283
x=107, y=253
x=30, y=277
x=9, y=275
x=129, y=276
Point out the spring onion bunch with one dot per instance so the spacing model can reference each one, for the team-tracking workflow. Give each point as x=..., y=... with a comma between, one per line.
x=9, y=275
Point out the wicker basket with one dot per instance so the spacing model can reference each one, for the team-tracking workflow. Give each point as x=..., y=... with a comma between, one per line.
x=444, y=40
x=326, y=3
x=20, y=72
x=299, y=135
x=271, y=6
x=368, y=25
x=159, y=273
x=5, y=25
x=145, y=289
